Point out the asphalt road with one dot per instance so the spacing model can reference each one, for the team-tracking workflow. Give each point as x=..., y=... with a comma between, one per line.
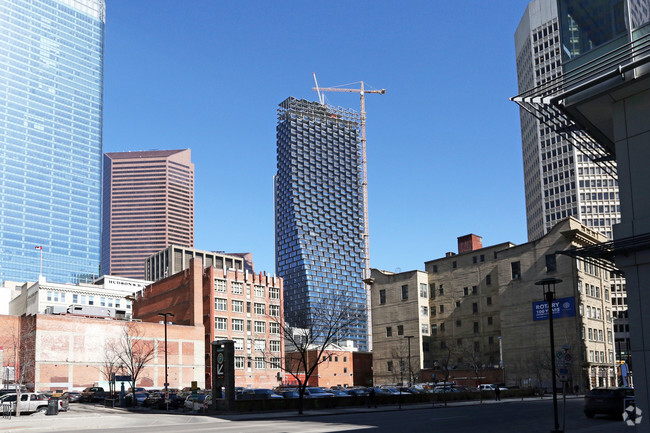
x=534, y=416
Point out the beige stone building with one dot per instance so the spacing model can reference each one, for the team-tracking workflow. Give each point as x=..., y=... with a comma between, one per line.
x=484, y=301
x=400, y=309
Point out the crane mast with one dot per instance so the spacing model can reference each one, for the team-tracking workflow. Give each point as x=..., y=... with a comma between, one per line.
x=366, y=234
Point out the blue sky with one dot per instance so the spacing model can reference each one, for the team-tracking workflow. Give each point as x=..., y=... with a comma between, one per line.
x=444, y=147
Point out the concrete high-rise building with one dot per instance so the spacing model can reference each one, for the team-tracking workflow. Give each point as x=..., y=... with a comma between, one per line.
x=560, y=179
x=319, y=219
x=51, y=103
x=148, y=205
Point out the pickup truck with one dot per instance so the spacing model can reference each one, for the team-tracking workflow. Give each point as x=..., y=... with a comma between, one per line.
x=94, y=394
x=29, y=402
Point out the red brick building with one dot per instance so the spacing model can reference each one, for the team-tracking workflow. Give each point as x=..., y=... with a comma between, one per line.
x=68, y=352
x=231, y=304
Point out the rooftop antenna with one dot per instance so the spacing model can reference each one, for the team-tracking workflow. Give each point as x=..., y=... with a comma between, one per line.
x=321, y=97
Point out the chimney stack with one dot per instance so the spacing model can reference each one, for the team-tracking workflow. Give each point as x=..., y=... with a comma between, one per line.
x=469, y=243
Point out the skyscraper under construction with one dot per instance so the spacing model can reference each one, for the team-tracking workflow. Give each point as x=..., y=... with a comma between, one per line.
x=319, y=213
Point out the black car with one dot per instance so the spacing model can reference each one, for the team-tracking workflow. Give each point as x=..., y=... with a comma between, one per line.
x=608, y=401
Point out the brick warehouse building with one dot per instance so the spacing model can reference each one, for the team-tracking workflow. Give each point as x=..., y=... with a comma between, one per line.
x=231, y=304
x=68, y=352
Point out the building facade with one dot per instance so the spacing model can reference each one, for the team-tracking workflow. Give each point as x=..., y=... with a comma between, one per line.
x=148, y=205
x=46, y=352
x=489, y=312
x=174, y=259
x=560, y=180
x=319, y=220
x=400, y=326
x=111, y=296
x=52, y=63
x=231, y=305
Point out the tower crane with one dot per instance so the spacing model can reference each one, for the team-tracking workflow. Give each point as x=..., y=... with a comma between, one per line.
x=366, y=235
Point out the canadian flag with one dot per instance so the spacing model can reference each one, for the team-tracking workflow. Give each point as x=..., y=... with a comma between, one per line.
x=39, y=248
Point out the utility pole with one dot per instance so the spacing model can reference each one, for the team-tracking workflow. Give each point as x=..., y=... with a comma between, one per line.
x=366, y=234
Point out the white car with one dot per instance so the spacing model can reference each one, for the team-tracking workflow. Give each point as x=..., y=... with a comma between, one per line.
x=491, y=387
x=29, y=402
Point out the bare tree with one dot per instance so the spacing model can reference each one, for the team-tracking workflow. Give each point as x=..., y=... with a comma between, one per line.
x=474, y=360
x=132, y=352
x=111, y=364
x=311, y=344
x=444, y=363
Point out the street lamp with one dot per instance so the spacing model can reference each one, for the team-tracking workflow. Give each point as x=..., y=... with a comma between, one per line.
x=548, y=287
x=165, y=315
x=408, y=338
x=503, y=370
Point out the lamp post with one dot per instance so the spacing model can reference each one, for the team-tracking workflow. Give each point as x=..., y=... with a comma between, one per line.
x=408, y=338
x=165, y=315
x=548, y=287
x=503, y=370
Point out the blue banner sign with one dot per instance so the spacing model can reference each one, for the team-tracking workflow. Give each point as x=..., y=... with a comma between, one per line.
x=564, y=307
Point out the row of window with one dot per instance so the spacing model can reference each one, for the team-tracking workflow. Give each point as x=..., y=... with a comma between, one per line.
x=260, y=345
x=434, y=327
x=221, y=304
x=597, y=334
x=405, y=293
x=237, y=288
x=260, y=363
x=88, y=300
x=237, y=325
x=596, y=356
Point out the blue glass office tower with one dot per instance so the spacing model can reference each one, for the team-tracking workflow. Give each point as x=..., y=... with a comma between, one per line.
x=319, y=212
x=51, y=98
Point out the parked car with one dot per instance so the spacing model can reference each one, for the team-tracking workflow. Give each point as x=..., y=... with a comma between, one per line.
x=491, y=387
x=258, y=394
x=337, y=392
x=140, y=397
x=73, y=397
x=63, y=402
x=443, y=389
x=316, y=392
x=29, y=402
x=93, y=394
x=379, y=391
x=608, y=401
x=391, y=390
x=357, y=392
x=191, y=399
x=288, y=393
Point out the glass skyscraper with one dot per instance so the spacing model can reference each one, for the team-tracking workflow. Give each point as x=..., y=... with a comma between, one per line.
x=319, y=220
x=51, y=99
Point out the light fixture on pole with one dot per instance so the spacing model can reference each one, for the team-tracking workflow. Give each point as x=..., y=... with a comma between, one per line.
x=408, y=338
x=165, y=315
x=548, y=287
x=503, y=370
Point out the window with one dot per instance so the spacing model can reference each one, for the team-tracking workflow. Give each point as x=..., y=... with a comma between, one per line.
x=443, y=344
x=274, y=328
x=477, y=347
x=607, y=294
x=405, y=292
x=239, y=343
x=458, y=323
x=238, y=325
x=260, y=345
x=474, y=259
x=515, y=267
x=274, y=293
x=220, y=286
x=91, y=300
x=248, y=307
x=102, y=300
x=237, y=288
x=75, y=299
x=435, y=268
x=434, y=329
x=482, y=257
x=239, y=362
x=260, y=327
x=389, y=331
x=488, y=280
x=423, y=291
x=259, y=291
x=442, y=308
x=475, y=307
x=457, y=304
x=221, y=304
x=275, y=362
x=441, y=290
x=551, y=264
x=49, y=296
x=591, y=334
x=274, y=310
x=274, y=345
x=425, y=329
x=389, y=366
x=490, y=341
x=259, y=363
x=459, y=342
x=474, y=290
x=490, y=320
x=465, y=291
x=260, y=309
x=382, y=297
x=400, y=329
x=442, y=327
x=475, y=327
x=237, y=306
x=424, y=310
x=488, y=300
x=453, y=264
x=220, y=323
